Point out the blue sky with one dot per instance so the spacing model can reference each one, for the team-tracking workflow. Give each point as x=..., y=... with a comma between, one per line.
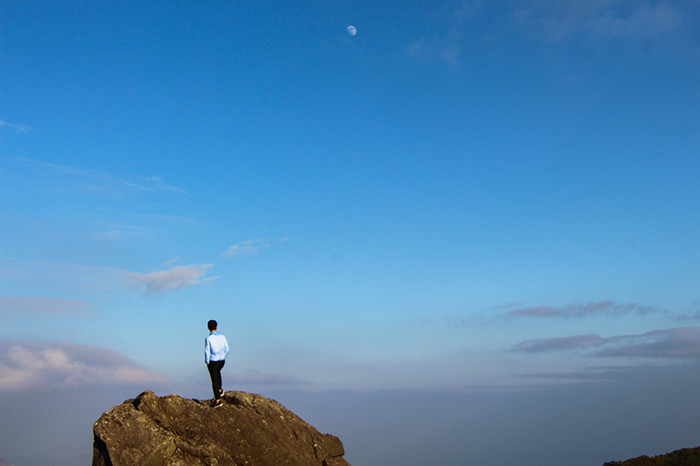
x=462, y=195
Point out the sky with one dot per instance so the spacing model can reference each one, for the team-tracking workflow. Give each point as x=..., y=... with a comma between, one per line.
x=478, y=217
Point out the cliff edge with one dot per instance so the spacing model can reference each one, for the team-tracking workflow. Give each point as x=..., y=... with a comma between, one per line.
x=248, y=430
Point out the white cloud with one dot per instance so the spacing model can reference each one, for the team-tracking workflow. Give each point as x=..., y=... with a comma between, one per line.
x=31, y=365
x=15, y=127
x=154, y=184
x=171, y=261
x=611, y=308
x=554, y=20
x=674, y=343
x=170, y=280
x=644, y=22
x=99, y=181
x=251, y=246
x=77, y=278
x=44, y=305
x=447, y=48
x=561, y=19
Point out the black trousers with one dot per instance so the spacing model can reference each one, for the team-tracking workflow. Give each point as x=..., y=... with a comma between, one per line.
x=215, y=374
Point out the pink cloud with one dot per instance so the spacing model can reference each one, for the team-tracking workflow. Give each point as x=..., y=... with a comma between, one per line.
x=170, y=280
x=673, y=343
x=32, y=365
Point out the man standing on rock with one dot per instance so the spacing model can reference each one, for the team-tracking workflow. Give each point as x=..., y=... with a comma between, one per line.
x=215, y=351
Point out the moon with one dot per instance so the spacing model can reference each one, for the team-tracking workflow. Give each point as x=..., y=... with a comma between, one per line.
x=352, y=30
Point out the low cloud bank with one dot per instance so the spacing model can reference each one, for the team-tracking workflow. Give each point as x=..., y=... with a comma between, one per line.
x=32, y=365
x=673, y=343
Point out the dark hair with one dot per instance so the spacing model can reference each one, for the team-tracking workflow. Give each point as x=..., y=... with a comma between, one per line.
x=212, y=325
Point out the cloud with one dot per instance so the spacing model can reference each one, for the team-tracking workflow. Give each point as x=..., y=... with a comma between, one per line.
x=15, y=127
x=99, y=181
x=44, y=305
x=561, y=19
x=171, y=279
x=447, y=47
x=552, y=20
x=154, y=184
x=646, y=21
x=171, y=261
x=674, y=343
x=504, y=306
x=78, y=278
x=694, y=312
x=443, y=50
x=31, y=365
x=574, y=343
x=583, y=309
x=251, y=246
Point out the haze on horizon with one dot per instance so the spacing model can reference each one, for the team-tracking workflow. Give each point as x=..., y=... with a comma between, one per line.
x=456, y=226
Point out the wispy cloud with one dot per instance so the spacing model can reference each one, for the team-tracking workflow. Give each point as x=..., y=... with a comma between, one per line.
x=674, y=343
x=446, y=48
x=504, y=306
x=551, y=20
x=693, y=314
x=15, y=127
x=171, y=279
x=575, y=343
x=645, y=21
x=35, y=365
x=561, y=19
x=77, y=278
x=154, y=184
x=138, y=225
x=99, y=181
x=610, y=308
x=441, y=50
x=251, y=246
x=44, y=305
x=171, y=262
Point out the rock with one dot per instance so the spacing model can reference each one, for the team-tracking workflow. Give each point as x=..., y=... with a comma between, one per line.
x=684, y=457
x=248, y=429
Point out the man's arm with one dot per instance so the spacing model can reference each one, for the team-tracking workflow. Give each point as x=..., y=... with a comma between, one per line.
x=207, y=350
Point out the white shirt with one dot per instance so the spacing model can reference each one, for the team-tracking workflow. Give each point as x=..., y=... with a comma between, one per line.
x=215, y=347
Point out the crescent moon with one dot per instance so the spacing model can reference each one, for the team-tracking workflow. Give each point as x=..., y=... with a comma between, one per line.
x=352, y=30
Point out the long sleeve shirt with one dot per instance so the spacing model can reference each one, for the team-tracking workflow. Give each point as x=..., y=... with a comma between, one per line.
x=215, y=347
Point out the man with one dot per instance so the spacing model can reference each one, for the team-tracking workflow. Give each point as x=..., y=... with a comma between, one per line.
x=215, y=351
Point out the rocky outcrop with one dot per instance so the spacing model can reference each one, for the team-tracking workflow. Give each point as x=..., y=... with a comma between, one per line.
x=247, y=430
x=684, y=457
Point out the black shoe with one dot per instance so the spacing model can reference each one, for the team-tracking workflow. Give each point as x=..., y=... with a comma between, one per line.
x=217, y=403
